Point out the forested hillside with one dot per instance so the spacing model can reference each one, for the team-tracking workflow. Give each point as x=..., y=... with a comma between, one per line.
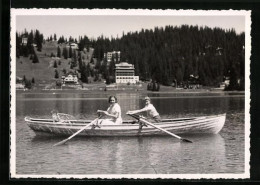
x=166, y=55
x=175, y=53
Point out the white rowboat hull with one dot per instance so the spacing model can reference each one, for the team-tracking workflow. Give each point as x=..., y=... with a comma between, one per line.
x=195, y=125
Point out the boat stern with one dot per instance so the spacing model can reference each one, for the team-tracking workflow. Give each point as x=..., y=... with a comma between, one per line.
x=220, y=122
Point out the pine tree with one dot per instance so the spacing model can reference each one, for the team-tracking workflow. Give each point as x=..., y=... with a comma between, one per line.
x=112, y=68
x=25, y=51
x=18, y=45
x=70, y=52
x=58, y=52
x=56, y=74
x=35, y=58
x=55, y=64
x=98, y=65
x=30, y=42
x=24, y=79
x=38, y=40
x=65, y=53
x=61, y=40
x=74, y=59
x=84, y=73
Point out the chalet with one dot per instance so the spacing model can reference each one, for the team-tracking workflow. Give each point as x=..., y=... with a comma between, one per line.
x=20, y=86
x=73, y=45
x=226, y=80
x=70, y=79
x=19, y=83
x=19, y=79
x=219, y=51
x=24, y=40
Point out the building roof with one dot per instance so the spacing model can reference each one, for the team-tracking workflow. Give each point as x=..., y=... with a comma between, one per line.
x=124, y=64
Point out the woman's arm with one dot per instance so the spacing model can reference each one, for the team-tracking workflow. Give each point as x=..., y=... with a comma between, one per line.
x=107, y=114
x=112, y=115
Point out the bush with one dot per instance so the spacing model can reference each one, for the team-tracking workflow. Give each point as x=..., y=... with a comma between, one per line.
x=153, y=86
x=58, y=83
x=64, y=71
x=35, y=59
x=28, y=84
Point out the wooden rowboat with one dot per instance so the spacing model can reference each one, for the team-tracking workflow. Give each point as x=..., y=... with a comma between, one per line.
x=194, y=125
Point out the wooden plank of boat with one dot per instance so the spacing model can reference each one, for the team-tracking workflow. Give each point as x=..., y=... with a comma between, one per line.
x=206, y=124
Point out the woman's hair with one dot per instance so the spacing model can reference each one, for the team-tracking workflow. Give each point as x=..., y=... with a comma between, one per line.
x=112, y=97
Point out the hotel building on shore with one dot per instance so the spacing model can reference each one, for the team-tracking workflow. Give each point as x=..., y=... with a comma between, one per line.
x=125, y=73
x=115, y=55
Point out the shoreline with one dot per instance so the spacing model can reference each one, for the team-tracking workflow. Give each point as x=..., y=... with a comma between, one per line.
x=79, y=91
x=101, y=88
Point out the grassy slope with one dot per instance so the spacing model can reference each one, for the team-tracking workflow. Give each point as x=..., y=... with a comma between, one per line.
x=43, y=72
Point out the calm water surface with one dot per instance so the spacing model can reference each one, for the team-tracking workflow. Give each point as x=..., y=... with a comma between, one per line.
x=208, y=154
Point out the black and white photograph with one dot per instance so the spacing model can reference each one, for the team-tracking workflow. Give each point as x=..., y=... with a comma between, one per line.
x=137, y=93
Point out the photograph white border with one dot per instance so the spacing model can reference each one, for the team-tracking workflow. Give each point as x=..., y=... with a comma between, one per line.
x=129, y=12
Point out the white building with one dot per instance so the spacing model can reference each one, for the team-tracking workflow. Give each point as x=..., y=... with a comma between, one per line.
x=113, y=54
x=125, y=73
x=24, y=40
x=70, y=79
x=73, y=46
x=20, y=86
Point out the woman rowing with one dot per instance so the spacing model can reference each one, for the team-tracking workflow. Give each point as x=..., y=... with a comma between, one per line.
x=150, y=109
x=113, y=112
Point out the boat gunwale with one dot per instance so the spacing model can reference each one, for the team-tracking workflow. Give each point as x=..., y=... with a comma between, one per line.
x=70, y=123
x=211, y=123
x=164, y=120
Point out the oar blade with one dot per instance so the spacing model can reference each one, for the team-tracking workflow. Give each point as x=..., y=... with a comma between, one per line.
x=65, y=140
x=61, y=142
x=186, y=140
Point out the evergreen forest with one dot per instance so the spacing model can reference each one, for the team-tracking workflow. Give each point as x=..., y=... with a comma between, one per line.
x=165, y=54
x=175, y=54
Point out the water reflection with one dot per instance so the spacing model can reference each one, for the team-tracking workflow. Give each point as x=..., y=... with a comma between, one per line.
x=166, y=106
x=146, y=155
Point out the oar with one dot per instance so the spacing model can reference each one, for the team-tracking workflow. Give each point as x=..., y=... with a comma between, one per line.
x=155, y=126
x=65, y=140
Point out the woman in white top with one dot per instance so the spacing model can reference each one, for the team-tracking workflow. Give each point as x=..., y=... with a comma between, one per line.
x=113, y=112
x=150, y=109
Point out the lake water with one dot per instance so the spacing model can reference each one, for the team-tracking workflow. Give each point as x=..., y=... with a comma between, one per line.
x=208, y=154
